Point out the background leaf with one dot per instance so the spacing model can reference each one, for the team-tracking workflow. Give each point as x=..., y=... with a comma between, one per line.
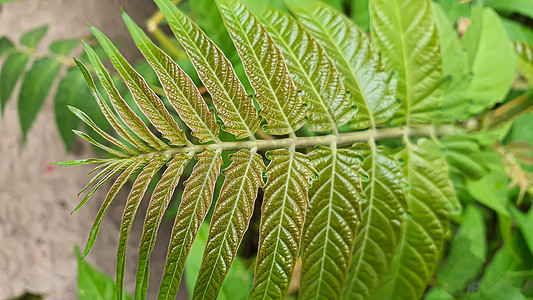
x=93, y=284
x=34, y=90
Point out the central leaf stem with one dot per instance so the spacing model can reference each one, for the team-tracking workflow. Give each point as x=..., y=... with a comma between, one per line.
x=305, y=142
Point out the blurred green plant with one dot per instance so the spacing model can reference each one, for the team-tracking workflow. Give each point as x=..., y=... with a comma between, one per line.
x=93, y=284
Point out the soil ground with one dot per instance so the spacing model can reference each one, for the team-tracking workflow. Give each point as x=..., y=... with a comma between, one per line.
x=37, y=231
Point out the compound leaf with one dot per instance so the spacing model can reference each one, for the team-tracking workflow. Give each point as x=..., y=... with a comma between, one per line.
x=365, y=79
x=158, y=204
x=424, y=228
x=312, y=71
x=179, y=88
x=132, y=204
x=147, y=100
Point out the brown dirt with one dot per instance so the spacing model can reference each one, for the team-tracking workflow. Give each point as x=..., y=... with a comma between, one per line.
x=37, y=231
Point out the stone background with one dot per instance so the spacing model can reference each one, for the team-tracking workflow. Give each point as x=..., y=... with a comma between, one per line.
x=37, y=231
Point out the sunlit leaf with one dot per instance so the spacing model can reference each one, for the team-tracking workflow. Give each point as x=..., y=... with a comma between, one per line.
x=369, y=86
x=406, y=34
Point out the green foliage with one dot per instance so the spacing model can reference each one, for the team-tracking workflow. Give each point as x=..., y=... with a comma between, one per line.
x=93, y=284
x=366, y=151
x=38, y=73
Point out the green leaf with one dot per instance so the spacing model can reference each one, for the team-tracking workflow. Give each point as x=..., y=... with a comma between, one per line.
x=525, y=60
x=111, y=117
x=525, y=223
x=132, y=204
x=64, y=47
x=120, y=106
x=229, y=222
x=406, y=34
x=209, y=19
x=369, y=86
x=454, y=62
x=424, y=228
x=5, y=45
x=238, y=281
x=234, y=106
x=147, y=100
x=491, y=190
x=91, y=140
x=332, y=218
x=108, y=138
x=382, y=216
x=502, y=278
x=34, y=90
x=158, y=204
x=280, y=103
x=195, y=203
x=464, y=156
x=80, y=162
x=131, y=168
x=31, y=38
x=70, y=91
x=468, y=252
x=329, y=107
x=93, y=284
x=282, y=220
x=12, y=69
x=179, y=88
x=523, y=7
x=492, y=59
x=517, y=31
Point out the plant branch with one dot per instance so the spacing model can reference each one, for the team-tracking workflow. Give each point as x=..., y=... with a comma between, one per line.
x=305, y=142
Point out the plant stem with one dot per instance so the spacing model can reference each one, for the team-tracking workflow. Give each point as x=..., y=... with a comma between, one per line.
x=305, y=142
x=152, y=25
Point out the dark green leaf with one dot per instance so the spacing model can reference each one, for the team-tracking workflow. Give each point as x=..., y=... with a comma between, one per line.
x=5, y=45
x=12, y=69
x=70, y=91
x=34, y=90
x=282, y=220
x=64, y=47
x=229, y=222
x=31, y=38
